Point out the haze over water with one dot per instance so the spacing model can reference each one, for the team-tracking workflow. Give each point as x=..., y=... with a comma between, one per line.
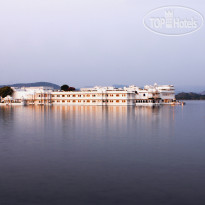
x=77, y=155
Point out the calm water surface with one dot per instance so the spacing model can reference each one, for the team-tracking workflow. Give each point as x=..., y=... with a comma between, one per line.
x=63, y=155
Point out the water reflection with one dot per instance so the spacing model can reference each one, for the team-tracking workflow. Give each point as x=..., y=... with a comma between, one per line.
x=93, y=120
x=102, y=155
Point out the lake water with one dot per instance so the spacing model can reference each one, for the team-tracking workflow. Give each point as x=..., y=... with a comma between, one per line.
x=60, y=155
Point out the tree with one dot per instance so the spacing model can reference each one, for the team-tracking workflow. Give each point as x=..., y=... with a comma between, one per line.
x=67, y=88
x=71, y=88
x=64, y=87
x=5, y=91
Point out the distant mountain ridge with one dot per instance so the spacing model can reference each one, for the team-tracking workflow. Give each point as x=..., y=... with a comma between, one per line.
x=36, y=84
x=120, y=85
x=190, y=96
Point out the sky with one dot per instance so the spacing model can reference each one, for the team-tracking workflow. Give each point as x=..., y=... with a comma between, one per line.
x=96, y=42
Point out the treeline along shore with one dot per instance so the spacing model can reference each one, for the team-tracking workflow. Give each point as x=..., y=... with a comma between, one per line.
x=190, y=96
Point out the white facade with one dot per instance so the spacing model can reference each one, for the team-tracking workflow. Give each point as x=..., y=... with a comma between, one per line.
x=167, y=92
x=132, y=95
x=28, y=92
x=26, y=95
x=94, y=96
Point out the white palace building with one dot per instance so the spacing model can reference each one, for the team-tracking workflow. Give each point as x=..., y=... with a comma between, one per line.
x=150, y=95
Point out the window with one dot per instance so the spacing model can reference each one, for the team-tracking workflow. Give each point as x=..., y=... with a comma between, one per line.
x=79, y=95
x=73, y=95
x=63, y=96
x=79, y=100
x=88, y=100
x=117, y=95
x=73, y=100
x=58, y=96
x=93, y=95
x=68, y=100
x=53, y=96
x=117, y=101
x=68, y=95
x=88, y=95
x=144, y=94
x=63, y=101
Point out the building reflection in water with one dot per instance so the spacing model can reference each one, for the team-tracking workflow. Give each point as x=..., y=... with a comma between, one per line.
x=74, y=121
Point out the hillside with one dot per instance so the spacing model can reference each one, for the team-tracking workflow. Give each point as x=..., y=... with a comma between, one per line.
x=190, y=96
x=119, y=85
x=37, y=84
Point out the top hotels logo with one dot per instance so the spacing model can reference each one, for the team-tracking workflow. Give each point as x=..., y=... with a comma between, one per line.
x=173, y=20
